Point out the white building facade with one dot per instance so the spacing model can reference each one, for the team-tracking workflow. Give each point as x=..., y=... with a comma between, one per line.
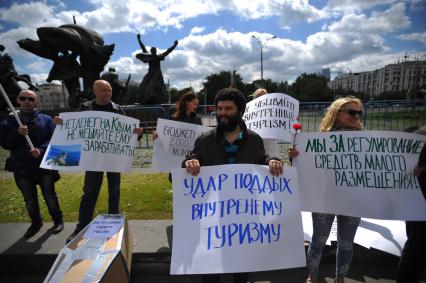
x=402, y=76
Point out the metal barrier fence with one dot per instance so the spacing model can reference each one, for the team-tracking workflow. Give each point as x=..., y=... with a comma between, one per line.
x=395, y=115
x=385, y=115
x=389, y=115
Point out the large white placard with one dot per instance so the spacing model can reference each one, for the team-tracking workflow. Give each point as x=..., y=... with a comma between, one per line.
x=272, y=116
x=361, y=173
x=175, y=141
x=92, y=140
x=236, y=218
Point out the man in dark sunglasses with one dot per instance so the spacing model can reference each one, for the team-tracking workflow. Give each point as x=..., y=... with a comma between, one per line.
x=25, y=163
x=29, y=98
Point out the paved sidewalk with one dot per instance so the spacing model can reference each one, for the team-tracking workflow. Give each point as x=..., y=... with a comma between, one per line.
x=149, y=237
x=30, y=260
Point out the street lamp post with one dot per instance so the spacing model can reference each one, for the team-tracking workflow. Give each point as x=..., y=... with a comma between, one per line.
x=261, y=53
x=205, y=98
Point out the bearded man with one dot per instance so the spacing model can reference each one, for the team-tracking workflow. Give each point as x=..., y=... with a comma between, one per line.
x=229, y=143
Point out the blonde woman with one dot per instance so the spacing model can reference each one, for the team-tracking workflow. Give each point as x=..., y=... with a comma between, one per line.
x=344, y=114
x=258, y=93
x=271, y=145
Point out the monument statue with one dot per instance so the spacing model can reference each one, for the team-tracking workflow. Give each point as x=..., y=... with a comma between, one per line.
x=152, y=89
x=118, y=89
x=9, y=79
x=63, y=45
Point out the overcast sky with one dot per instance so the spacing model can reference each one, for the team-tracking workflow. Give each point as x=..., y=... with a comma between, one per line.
x=344, y=35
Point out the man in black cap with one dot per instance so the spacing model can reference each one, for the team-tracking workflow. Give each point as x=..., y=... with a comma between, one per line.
x=229, y=143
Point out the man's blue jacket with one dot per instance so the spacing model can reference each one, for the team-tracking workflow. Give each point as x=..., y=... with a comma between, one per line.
x=40, y=130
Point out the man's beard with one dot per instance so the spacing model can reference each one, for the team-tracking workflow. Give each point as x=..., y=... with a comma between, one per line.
x=231, y=123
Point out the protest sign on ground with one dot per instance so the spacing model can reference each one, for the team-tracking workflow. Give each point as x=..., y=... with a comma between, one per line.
x=361, y=173
x=235, y=218
x=92, y=140
x=91, y=257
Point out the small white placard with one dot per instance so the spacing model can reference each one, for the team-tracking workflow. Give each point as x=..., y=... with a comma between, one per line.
x=103, y=228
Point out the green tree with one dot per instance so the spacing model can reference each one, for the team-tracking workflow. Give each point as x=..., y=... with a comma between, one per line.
x=174, y=94
x=342, y=93
x=217, y=81
x=311, y=87
x=272, y=86
x=132, y=93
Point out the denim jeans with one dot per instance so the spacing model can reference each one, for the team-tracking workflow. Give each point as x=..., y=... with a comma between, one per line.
x=346, y=229
x=27, y=181
x=91, y=188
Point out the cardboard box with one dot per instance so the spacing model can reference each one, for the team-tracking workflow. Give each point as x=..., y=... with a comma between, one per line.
x=101, y=252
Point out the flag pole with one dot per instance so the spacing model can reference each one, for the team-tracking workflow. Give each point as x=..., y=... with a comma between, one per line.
x=6, y=98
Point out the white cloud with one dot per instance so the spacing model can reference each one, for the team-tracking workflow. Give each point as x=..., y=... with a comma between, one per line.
x=139, y=16
x=38, y=78
x=326, y=47
x=289, y=12
x=37, y=65
x=109, y=16
x=387, y=21
x=27, y=14
x=9, y=38
x=416, y=36
x=355, y=38
x=197, y=56
x=128, y=65
x=355, y=5
x=298, y=11
x=197, y=30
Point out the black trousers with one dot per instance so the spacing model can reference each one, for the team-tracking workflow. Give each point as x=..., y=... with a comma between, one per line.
x=91, y=188
x=413, y=256
x=215, y=278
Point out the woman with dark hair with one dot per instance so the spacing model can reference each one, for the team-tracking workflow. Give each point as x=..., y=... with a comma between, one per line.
x=186, y=107
x=185, y=111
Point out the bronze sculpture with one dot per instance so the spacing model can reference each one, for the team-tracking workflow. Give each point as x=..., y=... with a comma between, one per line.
x=9, y=79
x=152, y=89
x=118, y=89
x=63, y=45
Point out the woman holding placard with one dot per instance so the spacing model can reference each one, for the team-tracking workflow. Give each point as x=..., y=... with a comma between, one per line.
x=344, y=114
x=186, y=107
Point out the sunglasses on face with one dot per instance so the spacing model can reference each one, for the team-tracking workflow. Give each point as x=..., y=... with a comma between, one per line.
x=23, y=98
x=352, y=112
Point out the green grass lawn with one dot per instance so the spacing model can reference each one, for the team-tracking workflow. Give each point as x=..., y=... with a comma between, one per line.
x=143, y=196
